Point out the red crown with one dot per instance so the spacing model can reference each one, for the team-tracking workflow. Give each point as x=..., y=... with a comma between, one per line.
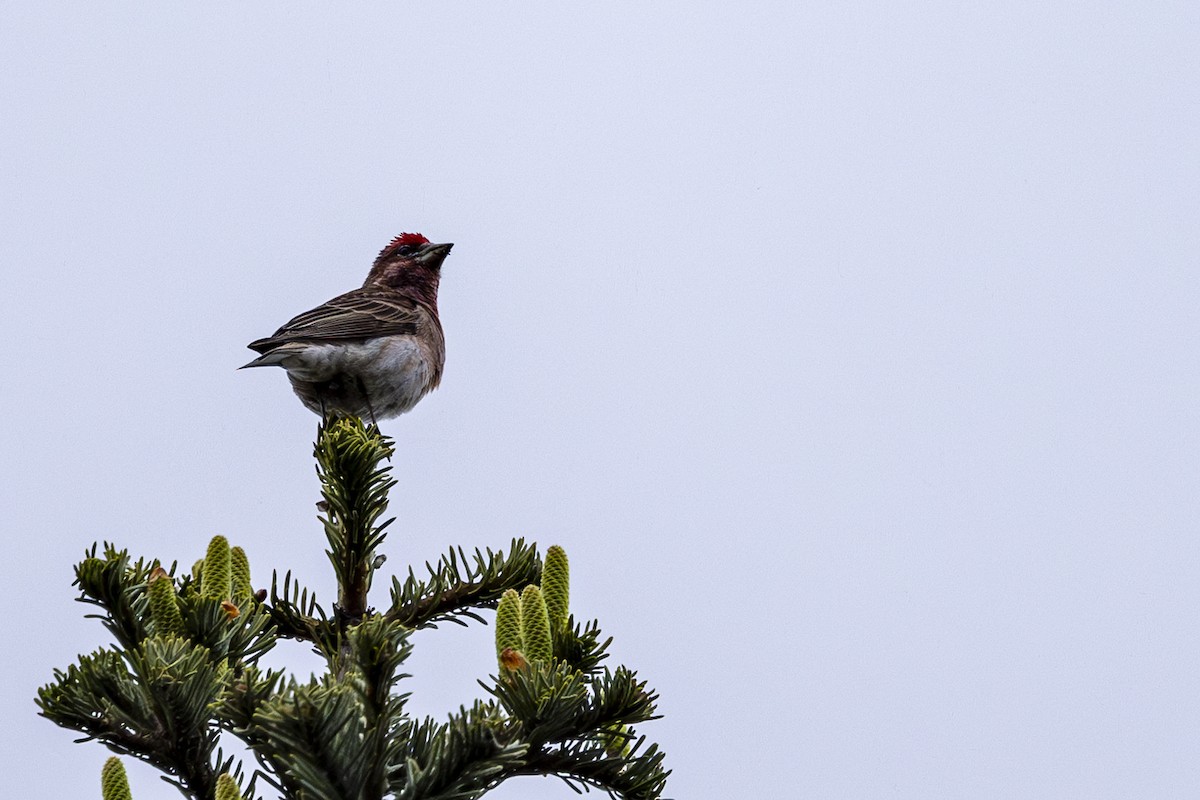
x=407, y=238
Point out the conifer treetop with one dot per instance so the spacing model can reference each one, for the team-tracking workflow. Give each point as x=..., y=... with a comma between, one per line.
x=182, y=668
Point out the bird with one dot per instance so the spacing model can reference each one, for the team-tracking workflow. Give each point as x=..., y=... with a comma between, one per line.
x=374, y=351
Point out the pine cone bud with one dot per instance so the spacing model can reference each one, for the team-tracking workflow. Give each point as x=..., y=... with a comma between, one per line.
x=239, y=571
x=227, y=788
x=165, y=618
x=556, y=587
x=508, y=625
x=535, y=625
x=217, y=569
x=113, y=783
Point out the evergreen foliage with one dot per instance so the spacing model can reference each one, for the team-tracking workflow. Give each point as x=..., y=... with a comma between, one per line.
x=182, y=670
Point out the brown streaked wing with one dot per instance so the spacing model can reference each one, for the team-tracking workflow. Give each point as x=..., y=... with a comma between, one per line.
x=359, y=314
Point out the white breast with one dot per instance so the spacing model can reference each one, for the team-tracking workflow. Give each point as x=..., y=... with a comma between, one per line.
x=395, y=370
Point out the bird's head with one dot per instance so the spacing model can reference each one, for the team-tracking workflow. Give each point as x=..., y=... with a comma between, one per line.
x=410, y=261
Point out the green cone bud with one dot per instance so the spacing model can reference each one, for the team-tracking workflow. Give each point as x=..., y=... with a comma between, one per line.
x=164, y=606
x=535, y=625
x=216, y=570
x=556, y=586
x=615, y=744
x=113, y=783
x=227, y=788
x=508, y=624
x=239, y=567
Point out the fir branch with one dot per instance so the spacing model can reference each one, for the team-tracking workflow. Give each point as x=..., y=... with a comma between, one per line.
x=237, y=706
x=458, y=584
x=569, y=722
x=354, y=488
x=543, y=699
x=580, y=645
x=99, y=698
x=244, y=697
x=457, y=760
x=479, y=748
x=377, y=648
x=297, y=615
x=617, y=699
x=183, y=680
x=118, y=587
x=633, y=776
x=151, y=702
x=311, y=737
x=241, y=639
x=333, y=738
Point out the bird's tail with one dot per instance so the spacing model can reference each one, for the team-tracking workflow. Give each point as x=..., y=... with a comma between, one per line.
x=275, y=357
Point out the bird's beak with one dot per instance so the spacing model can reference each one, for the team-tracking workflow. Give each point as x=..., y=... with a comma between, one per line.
x=434, y=254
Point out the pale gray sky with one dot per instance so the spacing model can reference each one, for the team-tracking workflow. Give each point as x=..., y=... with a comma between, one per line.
x=850, y=351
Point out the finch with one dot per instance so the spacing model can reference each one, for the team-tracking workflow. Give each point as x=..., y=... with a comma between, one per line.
x=374, y=351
